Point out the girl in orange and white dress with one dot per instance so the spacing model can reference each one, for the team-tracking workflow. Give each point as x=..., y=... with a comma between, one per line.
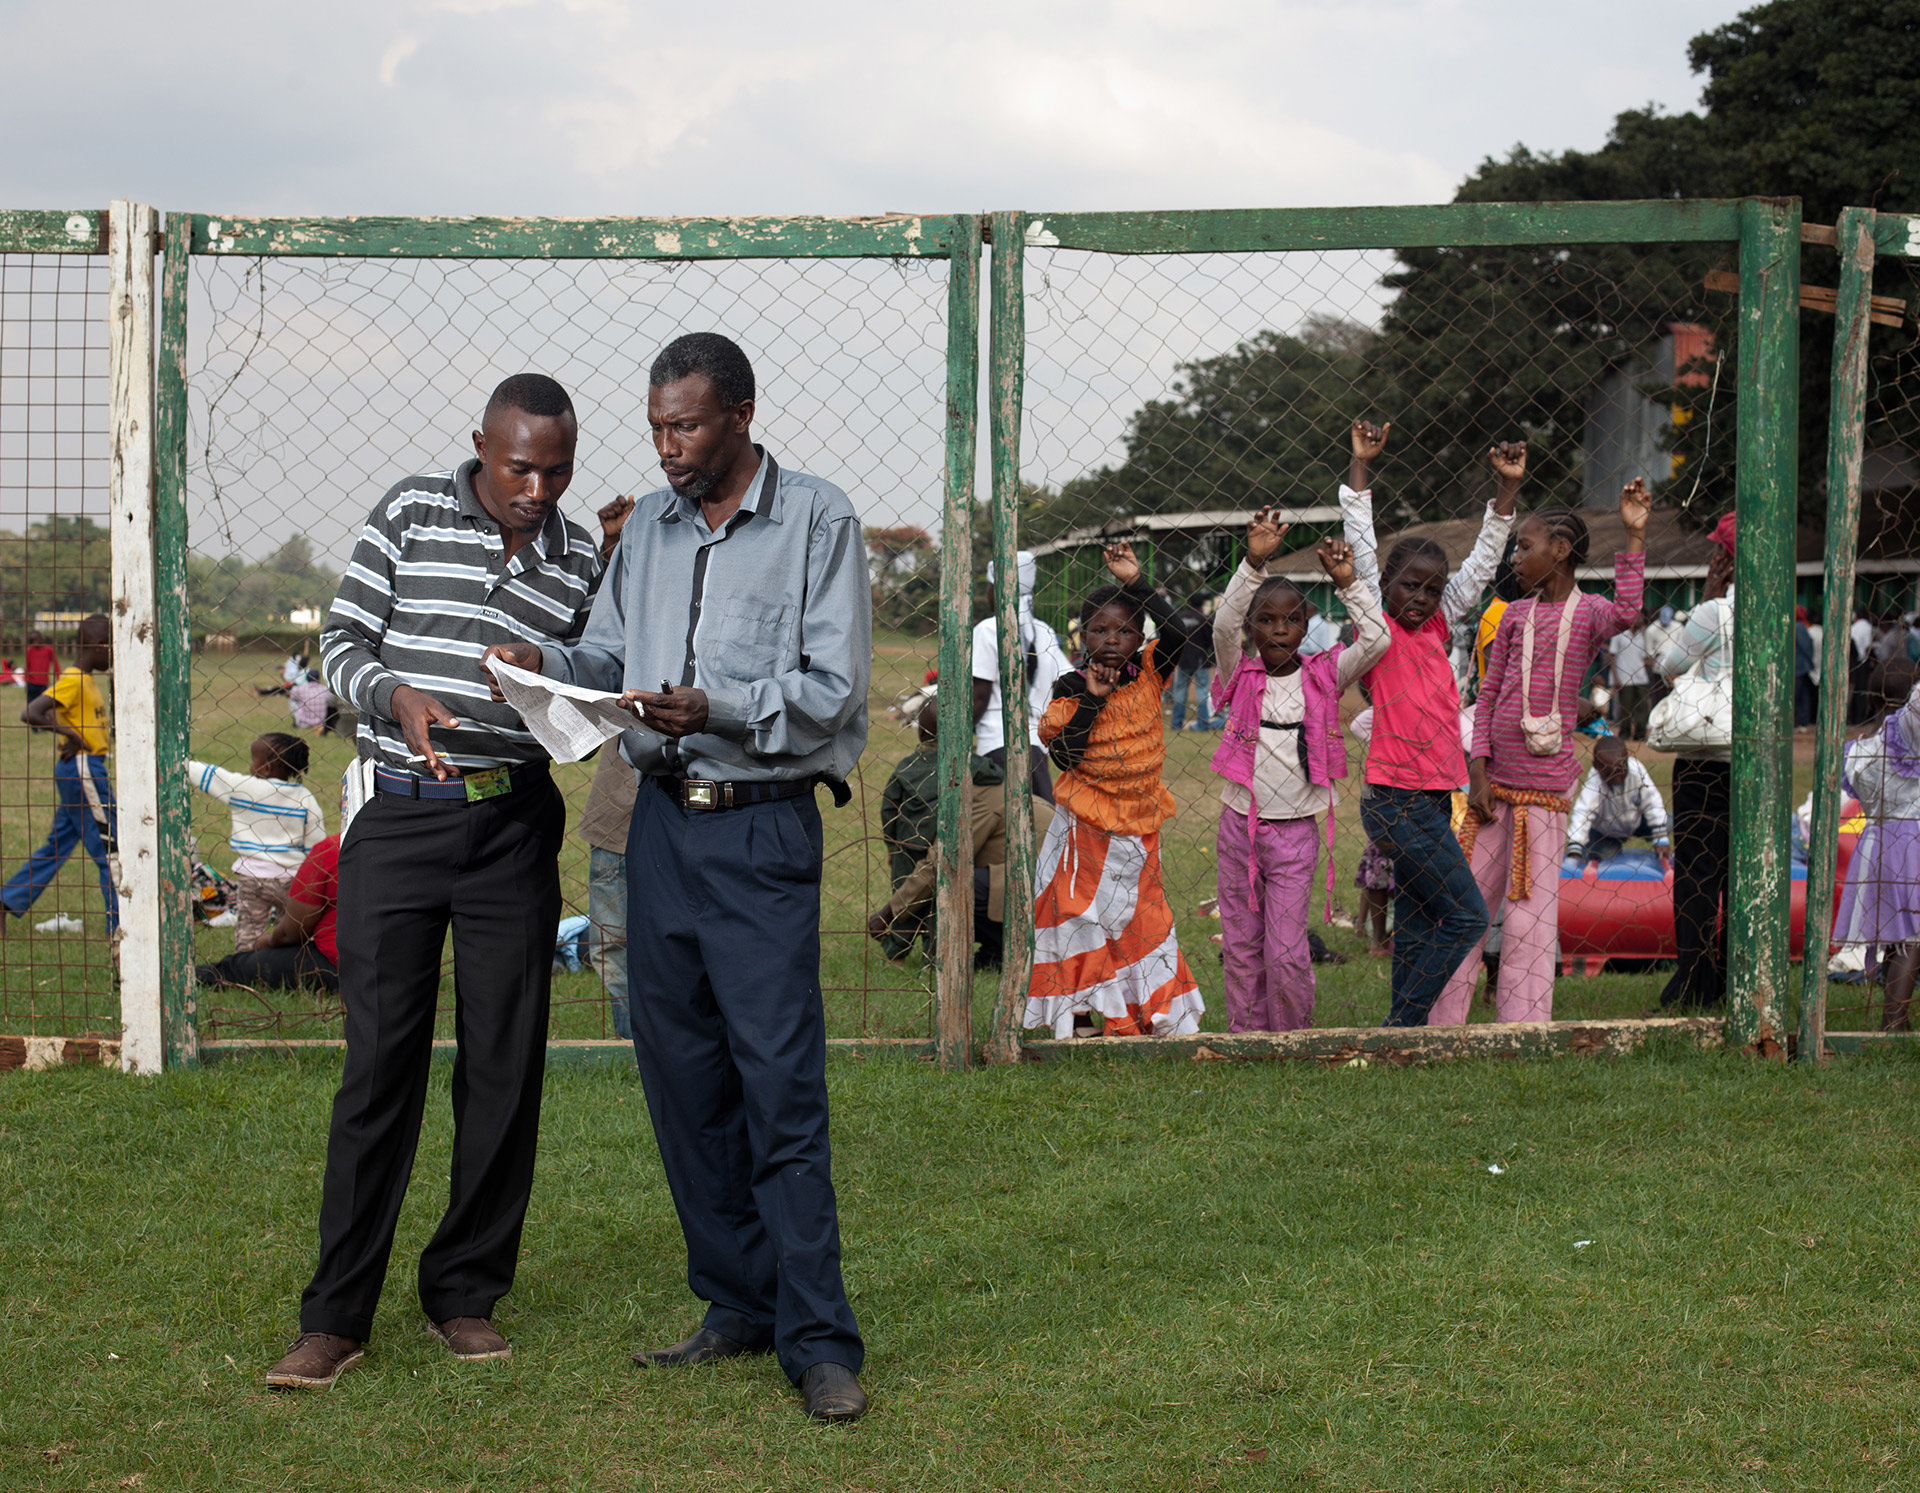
x=1103, y=930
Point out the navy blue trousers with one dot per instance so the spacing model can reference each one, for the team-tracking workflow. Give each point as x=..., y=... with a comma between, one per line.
x=723, y=975
x=1438, y=912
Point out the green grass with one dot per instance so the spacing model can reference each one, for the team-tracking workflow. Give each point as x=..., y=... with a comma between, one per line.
x=52, y=984
x=1078, y=1275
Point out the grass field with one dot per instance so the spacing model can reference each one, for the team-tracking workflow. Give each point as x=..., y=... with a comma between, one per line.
x=61, y=983
x=1086, y=1275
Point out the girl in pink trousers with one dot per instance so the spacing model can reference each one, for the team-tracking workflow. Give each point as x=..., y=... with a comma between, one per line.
x=1522, y=764
x=1280, y=754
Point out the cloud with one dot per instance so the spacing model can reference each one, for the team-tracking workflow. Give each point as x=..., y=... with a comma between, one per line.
x=398, y=51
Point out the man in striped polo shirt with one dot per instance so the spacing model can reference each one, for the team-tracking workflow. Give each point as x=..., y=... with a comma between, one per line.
x=463, y=830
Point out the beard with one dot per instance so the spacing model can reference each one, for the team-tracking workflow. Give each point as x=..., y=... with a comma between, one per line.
x=699, y=485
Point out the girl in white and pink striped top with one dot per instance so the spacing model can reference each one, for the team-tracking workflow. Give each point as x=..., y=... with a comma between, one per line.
x=1522, y=763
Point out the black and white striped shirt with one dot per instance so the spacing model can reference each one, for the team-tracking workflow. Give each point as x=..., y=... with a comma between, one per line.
x=427, y=592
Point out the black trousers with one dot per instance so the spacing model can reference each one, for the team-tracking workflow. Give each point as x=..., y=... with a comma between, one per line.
x=723, y=975
x=1039, y=774
x=302, y=968
x=410, y=870
x=1702, y=814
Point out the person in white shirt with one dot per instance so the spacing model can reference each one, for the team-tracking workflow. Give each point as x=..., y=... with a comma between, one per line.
x=1628, y=670
x=1617, y=802
x=1321, y=634
x=1046, y=662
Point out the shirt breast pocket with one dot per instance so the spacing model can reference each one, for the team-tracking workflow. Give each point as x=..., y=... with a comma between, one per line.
x=745, y=640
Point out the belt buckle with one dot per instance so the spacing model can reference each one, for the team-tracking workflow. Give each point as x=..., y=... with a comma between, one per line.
x=700, y=794
x=492, y=783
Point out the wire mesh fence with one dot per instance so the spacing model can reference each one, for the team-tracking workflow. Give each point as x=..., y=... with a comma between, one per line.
x=56, y=963
x=1876, y=924
x=316, y=384
x=1168, y=397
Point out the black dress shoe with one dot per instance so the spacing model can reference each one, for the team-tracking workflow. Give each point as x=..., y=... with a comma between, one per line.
x=833, y=1393
x=703, y=1347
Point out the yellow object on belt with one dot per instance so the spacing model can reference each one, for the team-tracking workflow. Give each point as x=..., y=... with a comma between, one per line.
x=1519, y=878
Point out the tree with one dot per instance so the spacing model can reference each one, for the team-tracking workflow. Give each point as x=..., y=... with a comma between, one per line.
x=903, y=567
x=61, y=564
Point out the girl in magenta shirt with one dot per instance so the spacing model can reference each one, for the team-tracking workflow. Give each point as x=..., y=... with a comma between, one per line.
x=1414, y=761
x=1523, y=761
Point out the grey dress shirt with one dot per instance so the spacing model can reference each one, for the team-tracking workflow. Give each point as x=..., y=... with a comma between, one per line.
x=772, y=616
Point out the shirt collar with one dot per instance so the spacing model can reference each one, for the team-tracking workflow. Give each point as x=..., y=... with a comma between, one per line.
x=762, y=496
x=553, y=534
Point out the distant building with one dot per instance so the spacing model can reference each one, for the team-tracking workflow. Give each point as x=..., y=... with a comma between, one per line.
x=1626, y=430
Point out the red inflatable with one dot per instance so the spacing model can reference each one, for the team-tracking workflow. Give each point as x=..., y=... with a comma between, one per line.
x=1609, y=915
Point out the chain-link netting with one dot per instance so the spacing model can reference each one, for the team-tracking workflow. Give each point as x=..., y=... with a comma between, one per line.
x=315, y=385
x=56, y=964
x=1167, y=399
x=1876, y=932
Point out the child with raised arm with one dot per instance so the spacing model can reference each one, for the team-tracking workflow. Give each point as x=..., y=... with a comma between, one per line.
x=276, y=821
x=1880, y=907
x=1103, y=931
x=1414, y=761
x=1281, y=754
x=1523, y=762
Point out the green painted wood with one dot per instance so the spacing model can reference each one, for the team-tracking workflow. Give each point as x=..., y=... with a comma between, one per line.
x=173, y=659
x=1237, y=230
x=1764, y=499
x=1895, y=233
x=1393, y=1047
x=53, y=231
x=953, y=840
x=1006, y=364
x=577, y=238
x=1846, y=432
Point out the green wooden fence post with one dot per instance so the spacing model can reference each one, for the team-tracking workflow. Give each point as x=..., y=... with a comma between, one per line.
x=1007, y=361
x=1758, y=891
x=953, y=841
x=173, y=663
x=1846, y=433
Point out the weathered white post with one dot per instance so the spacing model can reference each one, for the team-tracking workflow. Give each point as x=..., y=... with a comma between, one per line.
x=130, y=250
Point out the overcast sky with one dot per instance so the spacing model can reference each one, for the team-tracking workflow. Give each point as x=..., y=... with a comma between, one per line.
x=594, y=107
x=603, y=106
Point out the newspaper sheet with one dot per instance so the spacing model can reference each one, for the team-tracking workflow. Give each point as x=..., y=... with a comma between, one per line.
x=570, y=722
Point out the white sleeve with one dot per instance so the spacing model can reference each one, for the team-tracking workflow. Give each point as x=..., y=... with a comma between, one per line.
x=1580, y=821
x=1472, y=578
x=1231, y=616
x=1370, y=644
x=216, y=782
x=1653, y=808
x=986, y=650
x=1356, y=522
x=316, y=822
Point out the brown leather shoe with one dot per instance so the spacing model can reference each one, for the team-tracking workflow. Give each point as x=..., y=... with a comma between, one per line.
x=832, y=1392
x=314, y=1360
x=471, y=1338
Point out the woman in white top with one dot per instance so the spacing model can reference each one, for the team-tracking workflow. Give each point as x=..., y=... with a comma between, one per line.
x=1702, y=800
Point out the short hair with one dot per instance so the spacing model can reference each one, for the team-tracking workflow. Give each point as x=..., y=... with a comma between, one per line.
x=1406, y=553
x=1613, y=746
x=530, y=393
x=289, y=752
x=1564, y=523
x=1273, y=585
x=1894, y=679
x=1108, y=596
x=717, y=359
x=97, y=623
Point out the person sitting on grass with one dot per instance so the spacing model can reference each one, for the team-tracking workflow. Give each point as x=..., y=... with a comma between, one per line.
x=909, y=805
x=1103, y=933
x=75, y=708
x=276, y=821
x=911, y=905
x=1618, y=801
x=298, y=952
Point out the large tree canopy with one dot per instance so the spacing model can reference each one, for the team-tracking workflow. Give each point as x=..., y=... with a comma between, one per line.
x=1818, y=99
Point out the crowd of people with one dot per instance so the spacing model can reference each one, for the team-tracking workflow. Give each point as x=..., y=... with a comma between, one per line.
x=1467, y=799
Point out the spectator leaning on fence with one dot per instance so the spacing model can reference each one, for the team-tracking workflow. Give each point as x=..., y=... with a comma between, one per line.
x=741, y=590
x=463, y=830
x=1046, y=662
x=77, y=711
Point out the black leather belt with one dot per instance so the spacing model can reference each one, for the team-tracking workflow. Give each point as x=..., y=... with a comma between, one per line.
x=698, y=793
x=473, y=785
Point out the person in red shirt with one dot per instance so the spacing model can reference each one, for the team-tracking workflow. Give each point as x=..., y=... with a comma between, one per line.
x=299, y=949
x=43, y=665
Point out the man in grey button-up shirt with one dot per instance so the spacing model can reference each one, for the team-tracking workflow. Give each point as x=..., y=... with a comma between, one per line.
x=736, y=617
